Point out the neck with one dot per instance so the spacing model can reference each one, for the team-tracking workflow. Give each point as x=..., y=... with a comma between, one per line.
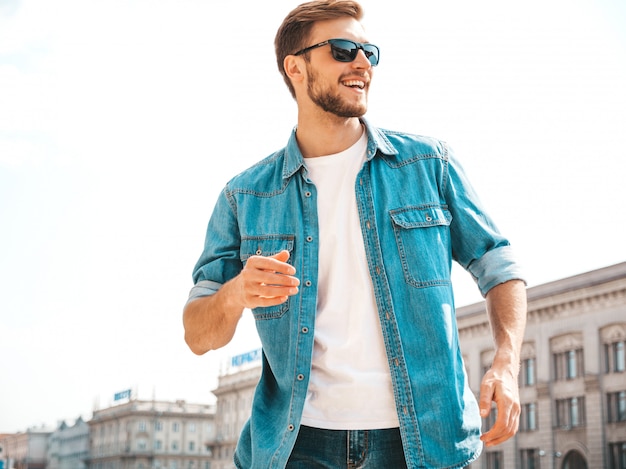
x=327, y=136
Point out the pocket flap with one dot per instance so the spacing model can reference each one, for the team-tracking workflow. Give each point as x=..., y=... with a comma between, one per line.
x=265, y=245
x=421, y=217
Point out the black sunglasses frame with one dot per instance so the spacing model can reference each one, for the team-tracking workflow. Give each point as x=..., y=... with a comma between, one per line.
x=338, y=52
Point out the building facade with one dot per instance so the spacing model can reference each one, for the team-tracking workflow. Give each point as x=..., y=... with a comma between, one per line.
x=152, y=435
x=68, y=446
x=234, y=393
x=25, y=450
x=572, y=378
x=3, y=464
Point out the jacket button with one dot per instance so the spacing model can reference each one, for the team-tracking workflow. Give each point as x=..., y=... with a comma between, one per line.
x=291, y=427
x=305, y=330
x=308, y=283
x=300, y=377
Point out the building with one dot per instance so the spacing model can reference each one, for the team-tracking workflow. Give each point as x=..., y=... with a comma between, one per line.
x=3, y=460
x=234, y=393
x=152, y=435
x=572, y=378
x=25, y=450
x=68, y=446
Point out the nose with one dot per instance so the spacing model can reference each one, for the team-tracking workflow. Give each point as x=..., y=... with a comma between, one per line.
x=361, y=60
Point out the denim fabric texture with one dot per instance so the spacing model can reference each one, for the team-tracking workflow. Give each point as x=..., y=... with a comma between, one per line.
x=418, y=213
x=347, y=449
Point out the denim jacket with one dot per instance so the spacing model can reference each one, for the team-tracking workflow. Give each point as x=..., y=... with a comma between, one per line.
x=418, y=213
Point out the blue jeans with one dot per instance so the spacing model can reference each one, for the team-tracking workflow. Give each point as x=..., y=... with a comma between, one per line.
x=350, y=449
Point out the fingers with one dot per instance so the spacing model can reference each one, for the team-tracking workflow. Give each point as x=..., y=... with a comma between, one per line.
x=486, y=397
x=276, y=263
x=268, y=281
x=282, y=256
x=504, y=394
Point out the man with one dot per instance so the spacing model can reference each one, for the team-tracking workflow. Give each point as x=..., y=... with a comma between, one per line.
x=341, y=245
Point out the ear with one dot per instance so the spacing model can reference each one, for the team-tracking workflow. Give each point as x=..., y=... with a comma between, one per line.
x=294, y=68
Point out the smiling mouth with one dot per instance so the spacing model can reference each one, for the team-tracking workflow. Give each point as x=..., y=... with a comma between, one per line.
x=354, y=84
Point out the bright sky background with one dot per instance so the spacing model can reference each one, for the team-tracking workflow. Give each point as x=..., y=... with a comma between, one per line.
x=120, y=121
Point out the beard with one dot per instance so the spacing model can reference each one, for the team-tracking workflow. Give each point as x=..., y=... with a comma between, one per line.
x=330, y=102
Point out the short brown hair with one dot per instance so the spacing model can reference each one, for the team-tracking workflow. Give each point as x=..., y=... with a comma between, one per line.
x=295, y=31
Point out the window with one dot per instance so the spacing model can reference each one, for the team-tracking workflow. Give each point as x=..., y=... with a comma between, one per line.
x=141, y=426
x=528, y=373
x=619, y=358
x=528, y=419
x=570, y=412
x=617, y=455
x=615, y=357
x=494, y=460
x=158, y=445
x=174, y=445
x=158, y=426
x=192, y=446
x=192, y=428
x=141, y=444
x=529, y=458
x=616, y=406
x=568, y=365
x=614, y=339
x=175, y=427
x=572, y=369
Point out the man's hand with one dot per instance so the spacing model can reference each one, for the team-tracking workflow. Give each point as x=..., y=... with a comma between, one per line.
x=506, y=307
x=210, y=321
x=266, y=281
x=499, y=385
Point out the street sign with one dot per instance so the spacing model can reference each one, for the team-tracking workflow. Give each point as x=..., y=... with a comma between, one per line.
x=122, y=395
x=245, y=358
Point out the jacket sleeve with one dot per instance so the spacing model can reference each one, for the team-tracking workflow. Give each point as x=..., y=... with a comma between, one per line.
x=220, y=260
x=477, y=244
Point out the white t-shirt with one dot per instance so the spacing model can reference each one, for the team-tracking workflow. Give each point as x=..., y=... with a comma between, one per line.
x=350, y=384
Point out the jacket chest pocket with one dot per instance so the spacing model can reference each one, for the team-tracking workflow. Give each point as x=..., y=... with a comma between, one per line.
x=423, y=237
x=268, y=245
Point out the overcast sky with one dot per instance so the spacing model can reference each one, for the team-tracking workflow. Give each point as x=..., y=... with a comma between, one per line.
x=120, y=121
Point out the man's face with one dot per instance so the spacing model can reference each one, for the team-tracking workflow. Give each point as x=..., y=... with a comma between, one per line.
x=339, y=88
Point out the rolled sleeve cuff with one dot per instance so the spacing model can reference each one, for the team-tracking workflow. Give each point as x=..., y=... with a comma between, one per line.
x=495, y=267
x=203, y=288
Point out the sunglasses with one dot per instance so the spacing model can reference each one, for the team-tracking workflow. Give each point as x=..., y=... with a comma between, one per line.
x=344, y=50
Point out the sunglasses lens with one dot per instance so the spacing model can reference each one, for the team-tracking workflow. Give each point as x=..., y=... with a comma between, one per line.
x=346, y=51
x=372, y=53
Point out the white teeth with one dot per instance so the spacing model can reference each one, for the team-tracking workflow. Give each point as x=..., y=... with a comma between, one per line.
x=356, y=83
